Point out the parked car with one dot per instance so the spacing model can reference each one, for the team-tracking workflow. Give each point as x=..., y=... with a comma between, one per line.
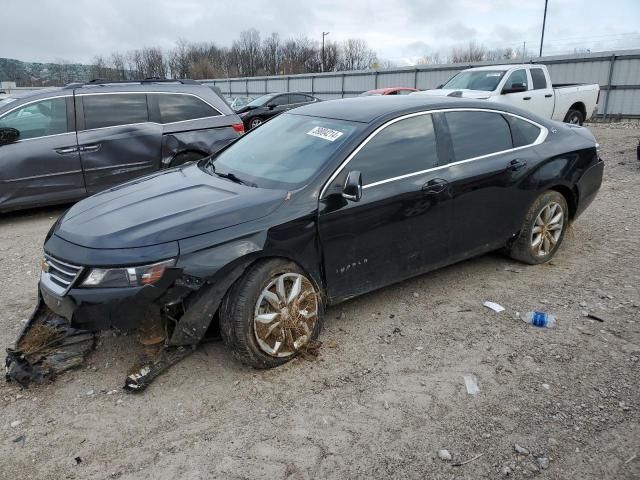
x=268, y=106
x=319, y=205
x=524, y=86
x=238, y=102
x=60, y=145
x=389, y=91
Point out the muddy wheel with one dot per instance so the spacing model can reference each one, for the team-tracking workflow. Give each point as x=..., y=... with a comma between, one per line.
x=542, y=230
x=270, y=314
x=575, y=117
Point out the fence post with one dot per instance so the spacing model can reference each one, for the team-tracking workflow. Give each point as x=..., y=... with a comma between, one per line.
x=312, y=91
x=266, y=85
x=342, y=86
x=415, y=79
x=609, y=89
x=375, y=85
x=246, y=86
x=288, y=78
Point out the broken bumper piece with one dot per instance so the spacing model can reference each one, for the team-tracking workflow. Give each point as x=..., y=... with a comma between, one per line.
x=140, y=377
x=46, y=347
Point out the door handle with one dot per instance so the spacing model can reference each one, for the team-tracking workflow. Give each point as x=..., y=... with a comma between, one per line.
x=90, y=148
x=526, y=98
x=515, y=165
x=548, y=95
x=65, y=150
x=435, y=186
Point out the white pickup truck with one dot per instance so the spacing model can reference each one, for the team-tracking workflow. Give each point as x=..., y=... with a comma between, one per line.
x=526, y=86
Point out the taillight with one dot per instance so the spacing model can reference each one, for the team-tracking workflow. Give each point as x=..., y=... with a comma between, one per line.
x=238, y=127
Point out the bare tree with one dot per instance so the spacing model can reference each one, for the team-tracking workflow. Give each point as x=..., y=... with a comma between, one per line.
x=356, y=55
x=471, y=53
x=271, y=54
x=249, y=53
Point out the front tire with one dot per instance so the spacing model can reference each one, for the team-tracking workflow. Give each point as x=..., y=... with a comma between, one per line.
x=270, y=314
x=574, y=117
x=543, y=229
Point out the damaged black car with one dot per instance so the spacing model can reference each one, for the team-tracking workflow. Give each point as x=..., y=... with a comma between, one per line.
x=319, y=205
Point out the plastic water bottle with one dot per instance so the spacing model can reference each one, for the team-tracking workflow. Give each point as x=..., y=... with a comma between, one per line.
x=540, y=319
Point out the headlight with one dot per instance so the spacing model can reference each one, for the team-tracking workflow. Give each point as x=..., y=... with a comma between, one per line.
x=127, y=276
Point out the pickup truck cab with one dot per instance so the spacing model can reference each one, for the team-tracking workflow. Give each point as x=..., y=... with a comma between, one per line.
x=526, y=86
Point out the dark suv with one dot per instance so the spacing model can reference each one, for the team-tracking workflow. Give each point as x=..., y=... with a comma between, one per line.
x=59, y=145
x=267, y=106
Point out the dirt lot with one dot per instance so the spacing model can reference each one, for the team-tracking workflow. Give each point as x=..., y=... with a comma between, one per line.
x=387, y=391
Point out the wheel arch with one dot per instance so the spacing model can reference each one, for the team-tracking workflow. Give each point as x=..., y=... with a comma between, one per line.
x=570, y=195
x=581, y=107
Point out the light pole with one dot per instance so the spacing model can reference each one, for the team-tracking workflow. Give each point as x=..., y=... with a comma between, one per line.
x=544, y=21
x=324, y=34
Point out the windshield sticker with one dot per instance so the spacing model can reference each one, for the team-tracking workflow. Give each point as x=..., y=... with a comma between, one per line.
x=325, y=133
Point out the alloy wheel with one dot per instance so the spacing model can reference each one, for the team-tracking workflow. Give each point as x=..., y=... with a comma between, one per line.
x=256, y=122
x=547, y=229
x=285, y=315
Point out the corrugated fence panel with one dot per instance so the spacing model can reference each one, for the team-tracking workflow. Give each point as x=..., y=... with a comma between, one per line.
x=396, y=79
x=326, y=84
x=356, y=84
x=588, y=68
x=626, y=72
x=298, y=84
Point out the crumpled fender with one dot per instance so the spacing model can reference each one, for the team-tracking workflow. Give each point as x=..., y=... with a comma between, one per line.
x=205, y=142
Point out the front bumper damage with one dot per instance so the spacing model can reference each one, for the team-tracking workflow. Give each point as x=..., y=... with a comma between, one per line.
x=169, y=317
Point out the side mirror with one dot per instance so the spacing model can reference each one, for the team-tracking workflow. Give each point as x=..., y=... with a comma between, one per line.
x=515, y=88
x=352, y=189
x=440, y=86
x=271, y=106
x=8, y=135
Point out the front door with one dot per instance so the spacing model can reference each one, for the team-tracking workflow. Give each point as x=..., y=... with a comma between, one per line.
x=396, y=229
x=117, y=142
x=517, y=99
x=42, y=166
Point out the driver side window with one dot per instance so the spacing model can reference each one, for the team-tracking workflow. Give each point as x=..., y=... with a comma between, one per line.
x=280, y=100
x=518, y=76
x=39, y=119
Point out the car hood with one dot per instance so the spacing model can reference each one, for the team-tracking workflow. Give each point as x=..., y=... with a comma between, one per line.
x=464, y=93
x=164, y=207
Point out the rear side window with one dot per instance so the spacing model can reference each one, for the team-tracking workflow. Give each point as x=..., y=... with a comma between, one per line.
x=538, y=79
x=178, y=108
x=298, y=98
x=474, y=134
x=523, y=132
x=38, y=119
x=404, y=147
x=112, y=110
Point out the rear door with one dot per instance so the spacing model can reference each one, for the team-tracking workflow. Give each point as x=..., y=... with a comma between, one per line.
x=541, y=93
x=280, y=104
x=487, y=166
x=43, y=165
x=117, y=142
x=397, y=228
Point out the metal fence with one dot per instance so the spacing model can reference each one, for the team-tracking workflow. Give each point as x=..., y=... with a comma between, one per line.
x=617, y=73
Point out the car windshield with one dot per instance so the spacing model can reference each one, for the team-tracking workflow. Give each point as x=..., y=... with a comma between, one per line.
x=486, y=80
x=260, y=101
x=284, y=153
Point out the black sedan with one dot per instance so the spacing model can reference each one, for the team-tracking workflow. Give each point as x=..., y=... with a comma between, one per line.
x=268, y=106
x=317, y=206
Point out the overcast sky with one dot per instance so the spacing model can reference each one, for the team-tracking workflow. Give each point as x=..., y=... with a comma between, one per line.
x=398, y=30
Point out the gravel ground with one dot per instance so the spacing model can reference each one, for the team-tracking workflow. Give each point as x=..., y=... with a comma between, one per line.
x=387, y=392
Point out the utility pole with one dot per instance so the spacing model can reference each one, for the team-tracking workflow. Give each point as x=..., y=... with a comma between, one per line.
x=544, y=21
x=324, y=34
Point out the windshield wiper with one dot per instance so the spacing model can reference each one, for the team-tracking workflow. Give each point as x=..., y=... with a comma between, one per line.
x=233, y=177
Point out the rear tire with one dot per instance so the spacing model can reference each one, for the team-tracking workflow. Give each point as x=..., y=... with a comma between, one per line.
x=270, y=314
x=574, y=117
x=543, y=229
x=255, y=122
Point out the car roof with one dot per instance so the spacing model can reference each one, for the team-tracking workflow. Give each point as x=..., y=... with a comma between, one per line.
x=502, y=68
x=370, y=109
